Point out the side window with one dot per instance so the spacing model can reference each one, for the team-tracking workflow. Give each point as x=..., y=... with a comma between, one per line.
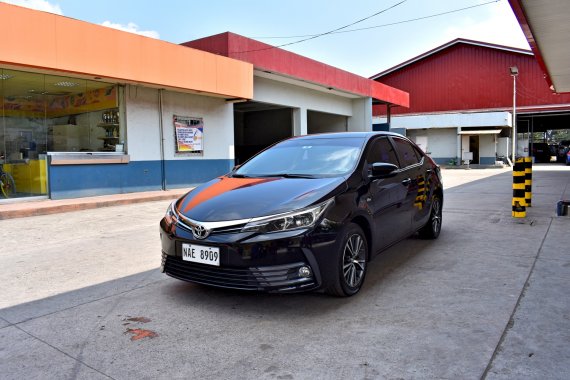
x=382, y=150
x=408, y=155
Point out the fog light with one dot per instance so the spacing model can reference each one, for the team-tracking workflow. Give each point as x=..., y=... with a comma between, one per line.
x=305, y=272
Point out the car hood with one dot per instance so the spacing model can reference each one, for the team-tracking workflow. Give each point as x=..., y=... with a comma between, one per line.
x=230, y=198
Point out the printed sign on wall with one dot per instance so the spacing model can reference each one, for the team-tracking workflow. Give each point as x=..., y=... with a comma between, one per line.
x=189, y=134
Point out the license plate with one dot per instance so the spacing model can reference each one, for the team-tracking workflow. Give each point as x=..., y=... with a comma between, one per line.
x=201, y=254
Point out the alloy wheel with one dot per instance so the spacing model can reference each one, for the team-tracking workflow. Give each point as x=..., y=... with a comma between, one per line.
x=436, y=216
x=354, y=260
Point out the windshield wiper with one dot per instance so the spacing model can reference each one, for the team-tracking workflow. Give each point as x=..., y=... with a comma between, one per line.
x=292, y=175
x=283, y=175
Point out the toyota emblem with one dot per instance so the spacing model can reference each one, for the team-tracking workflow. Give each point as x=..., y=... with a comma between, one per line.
x=200, y=232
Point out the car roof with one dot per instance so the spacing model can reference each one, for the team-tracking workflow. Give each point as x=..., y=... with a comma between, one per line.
x=343, y=135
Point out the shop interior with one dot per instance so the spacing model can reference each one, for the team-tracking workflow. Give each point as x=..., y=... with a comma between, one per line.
x=46, y=113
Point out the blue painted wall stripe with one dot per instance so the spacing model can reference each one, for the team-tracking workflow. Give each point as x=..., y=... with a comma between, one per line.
x=74, y=181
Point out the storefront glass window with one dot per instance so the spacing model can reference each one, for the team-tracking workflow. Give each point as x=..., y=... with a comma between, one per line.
x=47, y=113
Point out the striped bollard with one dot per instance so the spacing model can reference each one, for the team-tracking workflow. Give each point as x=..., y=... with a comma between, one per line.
x=528, y=181
x=519, y=203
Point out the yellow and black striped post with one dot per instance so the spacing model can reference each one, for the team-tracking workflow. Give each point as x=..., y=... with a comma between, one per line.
x=528, y=181
x=519, y=203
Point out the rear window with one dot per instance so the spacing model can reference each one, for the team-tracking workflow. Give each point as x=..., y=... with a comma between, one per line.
x=407, y=153
x=382, y=150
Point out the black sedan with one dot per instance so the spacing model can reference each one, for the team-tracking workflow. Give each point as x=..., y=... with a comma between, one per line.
x=307, y=213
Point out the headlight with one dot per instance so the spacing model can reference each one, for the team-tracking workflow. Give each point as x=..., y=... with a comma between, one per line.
x=171, y=215
x=289, y=221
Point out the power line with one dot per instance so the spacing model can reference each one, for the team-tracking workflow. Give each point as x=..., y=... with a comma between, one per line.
x=325, y=33
x=383, y=25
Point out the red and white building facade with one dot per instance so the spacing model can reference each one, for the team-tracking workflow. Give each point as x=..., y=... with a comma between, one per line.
x=461, y=100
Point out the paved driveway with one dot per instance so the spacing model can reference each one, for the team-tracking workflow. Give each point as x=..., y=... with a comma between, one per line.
x=82, y=298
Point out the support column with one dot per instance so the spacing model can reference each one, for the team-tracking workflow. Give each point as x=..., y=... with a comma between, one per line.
x=459, y=148
x=361, y=119
x=299, y=121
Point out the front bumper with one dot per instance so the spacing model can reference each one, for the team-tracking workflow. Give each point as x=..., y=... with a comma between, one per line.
x=253, y=263
x=276, y=278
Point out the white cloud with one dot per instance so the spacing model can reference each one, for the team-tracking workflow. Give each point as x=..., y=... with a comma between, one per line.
x=131, y=27
x=501, y=27
x=40, y=5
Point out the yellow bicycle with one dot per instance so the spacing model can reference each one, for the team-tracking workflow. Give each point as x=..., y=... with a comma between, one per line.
x=7, y=184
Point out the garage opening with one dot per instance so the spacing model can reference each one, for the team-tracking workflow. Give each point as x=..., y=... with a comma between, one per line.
x=547, y=133
x=257, y=126
x=321, y=122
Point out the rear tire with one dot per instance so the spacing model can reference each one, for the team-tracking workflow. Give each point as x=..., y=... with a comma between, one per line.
x=433, y=227
x=351, y=263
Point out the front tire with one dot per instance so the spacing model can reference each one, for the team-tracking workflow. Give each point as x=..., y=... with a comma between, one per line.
x=351, y=263
x=433, y=227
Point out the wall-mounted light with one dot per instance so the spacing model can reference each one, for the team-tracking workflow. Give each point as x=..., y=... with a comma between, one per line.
x=514, y=70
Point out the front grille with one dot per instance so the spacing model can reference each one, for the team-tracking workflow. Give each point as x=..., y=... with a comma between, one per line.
x=222, y=227
x=236, y=228
x=270, y=278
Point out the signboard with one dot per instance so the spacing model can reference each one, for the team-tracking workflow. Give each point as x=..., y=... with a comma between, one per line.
x=189, y=134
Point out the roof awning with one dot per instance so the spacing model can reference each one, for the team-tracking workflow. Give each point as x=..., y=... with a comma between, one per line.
x=481, y=132
x=545, y=26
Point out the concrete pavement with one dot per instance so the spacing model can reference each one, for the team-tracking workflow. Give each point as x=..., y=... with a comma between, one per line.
x=82, y=298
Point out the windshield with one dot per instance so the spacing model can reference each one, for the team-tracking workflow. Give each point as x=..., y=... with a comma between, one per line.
x=305, y=157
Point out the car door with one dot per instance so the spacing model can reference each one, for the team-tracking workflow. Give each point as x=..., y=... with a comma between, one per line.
x=415, y=180
x=385, y=196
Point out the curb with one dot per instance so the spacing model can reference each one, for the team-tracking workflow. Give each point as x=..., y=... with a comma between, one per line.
x=47, y=207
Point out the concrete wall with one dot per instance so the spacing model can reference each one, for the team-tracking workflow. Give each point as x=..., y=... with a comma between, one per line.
x=301, y=99
x=442, y=143
x=487, y=149
x=450, y=120
x=319, y=122
x=142, y=119
x=143, y=135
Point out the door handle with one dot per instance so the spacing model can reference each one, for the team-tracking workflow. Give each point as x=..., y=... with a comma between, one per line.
x=407, y=181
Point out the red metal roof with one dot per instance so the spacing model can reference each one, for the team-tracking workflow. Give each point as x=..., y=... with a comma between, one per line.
x=269, y=58
x=466, y=75
x=447, y=45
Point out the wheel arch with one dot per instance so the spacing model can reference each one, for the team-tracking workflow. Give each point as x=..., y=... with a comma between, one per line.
x=363, y=223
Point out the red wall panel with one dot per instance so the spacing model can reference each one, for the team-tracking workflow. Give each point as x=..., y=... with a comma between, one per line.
x=470, y=77
x=272, y=59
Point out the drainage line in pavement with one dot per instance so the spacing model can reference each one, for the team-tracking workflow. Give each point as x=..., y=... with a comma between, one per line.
x=511, y=320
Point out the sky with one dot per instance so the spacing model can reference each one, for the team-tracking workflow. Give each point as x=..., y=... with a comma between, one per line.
x=364, y=52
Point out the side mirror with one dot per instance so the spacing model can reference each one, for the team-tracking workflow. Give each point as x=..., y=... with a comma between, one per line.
x=383, y=170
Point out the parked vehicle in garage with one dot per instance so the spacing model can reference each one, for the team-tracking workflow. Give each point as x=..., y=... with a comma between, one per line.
x=541, y=152
x=563, y=148
x=307, y=213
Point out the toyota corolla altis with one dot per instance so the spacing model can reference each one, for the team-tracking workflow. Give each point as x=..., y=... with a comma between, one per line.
x=307, y=213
